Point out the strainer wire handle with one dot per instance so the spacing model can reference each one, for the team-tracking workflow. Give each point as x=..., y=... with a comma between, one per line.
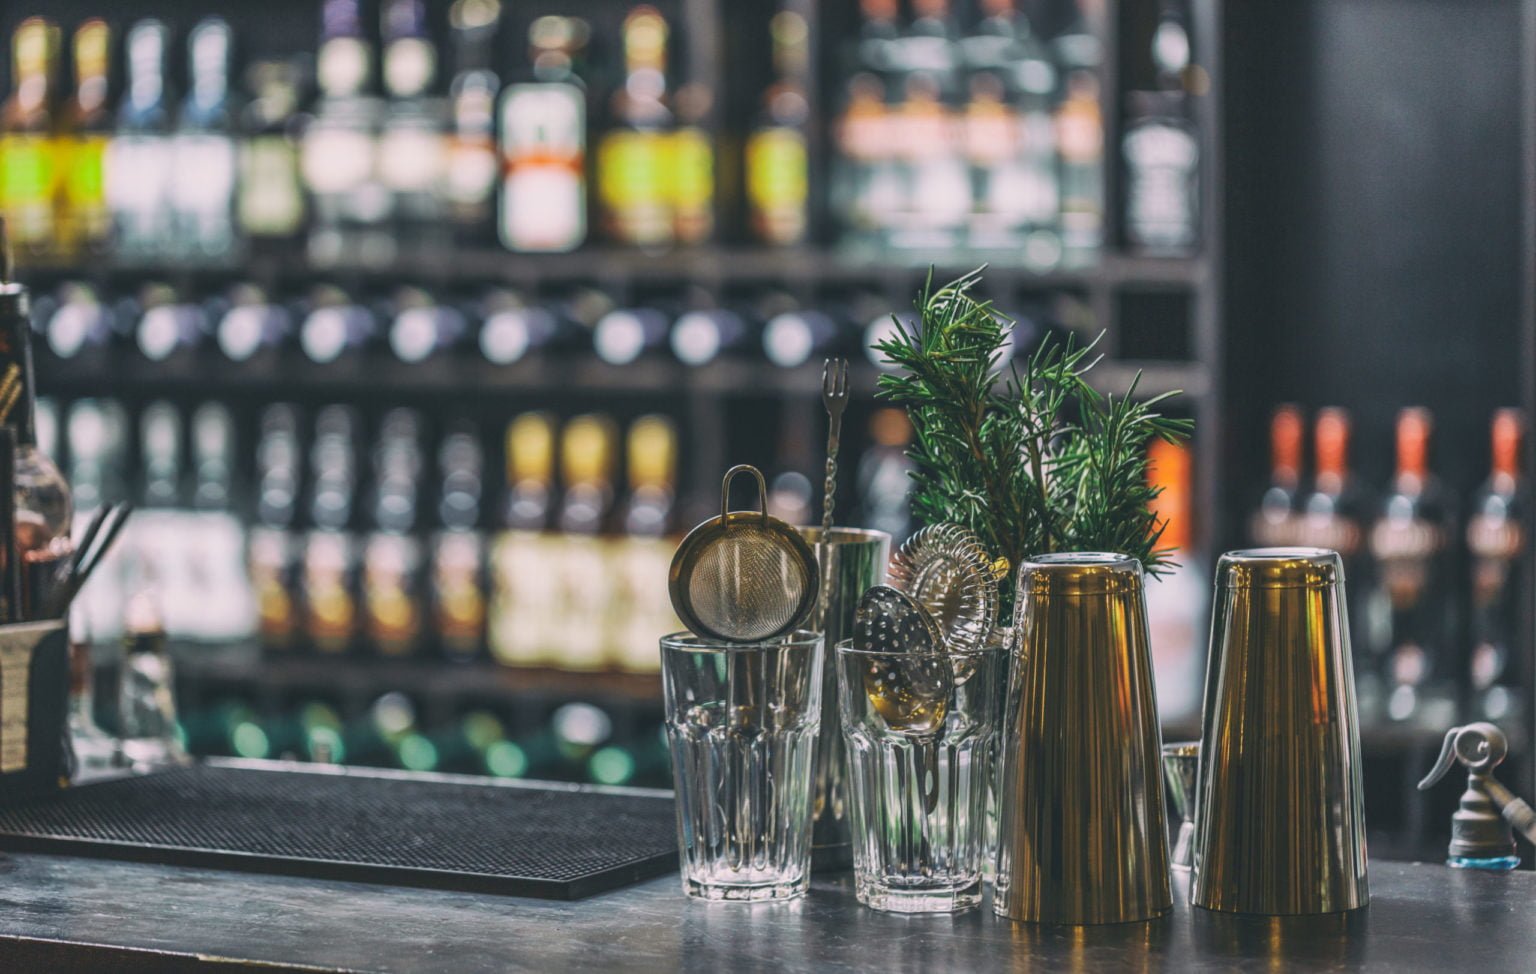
x=725, y=491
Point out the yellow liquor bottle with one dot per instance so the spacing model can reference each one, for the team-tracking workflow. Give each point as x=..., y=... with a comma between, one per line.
x=641, y=610
x=520, y=621
x=29, y=167
x=584, y=562
x=84, y=220
x=777, y=160
x=634, y=185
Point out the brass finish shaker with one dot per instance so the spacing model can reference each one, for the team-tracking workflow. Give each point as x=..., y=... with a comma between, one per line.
x=1280, y=825
x=1081, y=832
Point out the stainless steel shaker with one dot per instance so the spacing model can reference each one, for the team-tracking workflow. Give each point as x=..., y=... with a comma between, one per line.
x=851, y=561
x=1279, y=821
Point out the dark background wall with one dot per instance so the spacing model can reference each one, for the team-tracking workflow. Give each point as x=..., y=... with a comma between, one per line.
x=1373, y=199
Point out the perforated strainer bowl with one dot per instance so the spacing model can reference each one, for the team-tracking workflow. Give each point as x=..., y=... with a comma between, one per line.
x=744, y=576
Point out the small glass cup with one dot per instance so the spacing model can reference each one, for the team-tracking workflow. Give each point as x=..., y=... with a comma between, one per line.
x=920, y=733
x=1181, y=761
x=741, y=724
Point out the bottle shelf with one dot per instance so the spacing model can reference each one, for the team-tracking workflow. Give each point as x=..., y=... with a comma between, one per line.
x=712, y=265
x=243, y=666
x=209, y=373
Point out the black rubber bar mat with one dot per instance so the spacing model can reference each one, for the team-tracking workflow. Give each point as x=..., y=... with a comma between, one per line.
x=522, y=840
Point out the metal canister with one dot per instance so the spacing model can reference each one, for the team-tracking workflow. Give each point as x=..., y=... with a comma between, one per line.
x=1280, y=822
x=851, y=561
x=1081, y=833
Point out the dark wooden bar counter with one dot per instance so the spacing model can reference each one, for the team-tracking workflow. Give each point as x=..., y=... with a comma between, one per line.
x=69, y=914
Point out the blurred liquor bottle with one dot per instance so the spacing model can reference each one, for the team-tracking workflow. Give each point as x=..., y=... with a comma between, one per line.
x=1275, y=523
x=140, y=158
x=1010, y=138
x=634, y=181
x=273, y=547
x=513, y=329
x=170, y=324
x=423, y=326
x=468, y=742
x=75, y=321
x=150, y=736
x=348, y=203
x=412, y=143
x=930, y=45
x=874, y=50
x=31, y=162
x=642, y=610
x=270, y=204
x=43, y=502
x=777, y=154
x=394, y=589
x=459, y=577
x=793, y=335
x=1497, y=543
x=472, y=165
x=1162, y=149
x=337, y=326
x=585, y=605
x=935, y=179
x=623, y=335
x=708, y=331
x=158, y=540
x=543, y=198
x=373, y=739
x=85, y=221
x=204, y=156
x=254, y=325
x=1335, y=514
x=1411, y=545
x=866, y=190
x=884, y=474
x=690, y=164
x=222, y=605
x=96, y=432
x=1080, y=137
x=524, y=586
x=332, y=617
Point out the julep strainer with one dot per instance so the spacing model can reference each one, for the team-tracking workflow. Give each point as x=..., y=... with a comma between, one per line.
x=743, y=577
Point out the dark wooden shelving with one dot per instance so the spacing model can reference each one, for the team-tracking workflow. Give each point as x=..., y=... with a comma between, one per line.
x=245, y=668
x=618, y=267
x=207, y=373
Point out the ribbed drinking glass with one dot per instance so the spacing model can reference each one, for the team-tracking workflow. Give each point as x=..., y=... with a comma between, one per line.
x=741, y=723
x=920, y=732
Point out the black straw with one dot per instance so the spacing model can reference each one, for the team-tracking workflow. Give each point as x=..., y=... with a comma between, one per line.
x=10, y=577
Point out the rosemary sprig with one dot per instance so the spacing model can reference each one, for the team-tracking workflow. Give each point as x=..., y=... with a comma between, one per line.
x=1032, y=461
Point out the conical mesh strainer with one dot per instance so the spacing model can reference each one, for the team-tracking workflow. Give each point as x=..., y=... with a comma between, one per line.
x=744, y=576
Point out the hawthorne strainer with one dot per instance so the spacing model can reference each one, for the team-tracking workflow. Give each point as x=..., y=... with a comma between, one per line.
x=945, y=569
x=743, y=577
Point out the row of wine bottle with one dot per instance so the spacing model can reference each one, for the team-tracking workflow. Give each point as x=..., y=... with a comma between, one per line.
x=955, y=129
x=326, y=324
x=400, y=541
x=1434, y=584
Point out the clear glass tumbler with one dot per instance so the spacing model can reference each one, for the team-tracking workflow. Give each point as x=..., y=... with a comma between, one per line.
x=920, y=733
x=741, y=724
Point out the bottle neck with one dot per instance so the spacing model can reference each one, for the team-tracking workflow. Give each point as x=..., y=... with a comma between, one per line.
x=1506, y=445
x=1413, y=445
x=16, y=354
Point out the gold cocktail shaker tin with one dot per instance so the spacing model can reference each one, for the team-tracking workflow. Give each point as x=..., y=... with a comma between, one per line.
x=1279, y=821
x=1081, y=833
